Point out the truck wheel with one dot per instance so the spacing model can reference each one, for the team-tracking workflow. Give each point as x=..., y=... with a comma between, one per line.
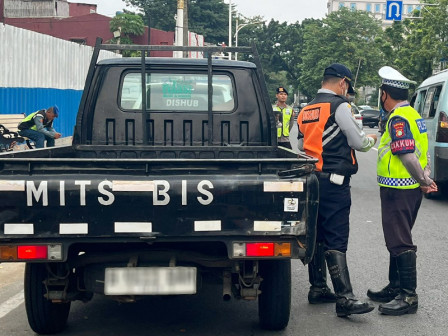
x=44, y=316
x=274, y=303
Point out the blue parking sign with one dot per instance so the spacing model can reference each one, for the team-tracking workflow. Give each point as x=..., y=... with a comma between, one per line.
x=394, y=9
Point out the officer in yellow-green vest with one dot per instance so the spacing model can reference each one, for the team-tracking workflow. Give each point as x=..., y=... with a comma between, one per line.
x=283, y=115
x=403, y=175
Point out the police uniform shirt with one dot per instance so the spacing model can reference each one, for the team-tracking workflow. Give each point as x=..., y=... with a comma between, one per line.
x=403, y=144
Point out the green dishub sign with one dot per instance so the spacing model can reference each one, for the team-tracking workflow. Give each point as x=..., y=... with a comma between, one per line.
x=182, y=90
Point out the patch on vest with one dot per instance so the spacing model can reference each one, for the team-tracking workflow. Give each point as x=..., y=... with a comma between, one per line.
x=399, y=129
x=311, y=115
x=421, y=124
x=403, y=146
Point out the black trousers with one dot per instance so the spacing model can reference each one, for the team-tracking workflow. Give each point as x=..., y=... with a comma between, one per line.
x=399, y=208
x=333, y=215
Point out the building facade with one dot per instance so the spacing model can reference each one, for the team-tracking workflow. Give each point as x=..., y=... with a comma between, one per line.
x=376, y=7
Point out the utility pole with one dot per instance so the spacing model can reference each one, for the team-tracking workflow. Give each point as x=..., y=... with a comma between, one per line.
x=230, y=27
x=179, y=28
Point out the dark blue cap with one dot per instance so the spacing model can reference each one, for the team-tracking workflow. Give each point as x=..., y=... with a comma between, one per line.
x=55, y=110
x=341, y=71
x=281, y=89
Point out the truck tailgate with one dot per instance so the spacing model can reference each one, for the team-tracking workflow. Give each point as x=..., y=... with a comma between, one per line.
x=98, y=198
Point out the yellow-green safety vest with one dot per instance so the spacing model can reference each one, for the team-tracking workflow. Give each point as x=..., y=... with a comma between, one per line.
x=286, y=117
x=391, y=172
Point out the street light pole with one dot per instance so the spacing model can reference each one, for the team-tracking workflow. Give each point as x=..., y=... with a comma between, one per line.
x=238, y=28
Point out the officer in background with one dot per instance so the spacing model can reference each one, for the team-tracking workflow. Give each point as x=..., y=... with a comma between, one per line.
x=331, y=135
x=403, y=174
x=283, y=118
x=38, y=126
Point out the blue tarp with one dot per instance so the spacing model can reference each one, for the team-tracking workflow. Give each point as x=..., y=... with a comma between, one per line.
x=29, y=100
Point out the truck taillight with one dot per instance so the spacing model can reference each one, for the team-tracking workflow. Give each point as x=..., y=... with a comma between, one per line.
x=442, y=128
x=30, y=252
x=8, y=252
x=260, y=249
x=251, y=249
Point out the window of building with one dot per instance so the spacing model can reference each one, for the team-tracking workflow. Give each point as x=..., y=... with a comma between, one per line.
x=353, y=6
x=377, y=8
x=418, y=7
x=410, y=8
x=341, y=5
x=384, y=8
x=368, y=7
x=82, y=41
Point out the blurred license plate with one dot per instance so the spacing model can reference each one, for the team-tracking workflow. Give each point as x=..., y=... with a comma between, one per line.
x=150, y=280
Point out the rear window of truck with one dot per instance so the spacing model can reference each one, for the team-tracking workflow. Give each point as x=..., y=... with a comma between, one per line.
x=178, y=92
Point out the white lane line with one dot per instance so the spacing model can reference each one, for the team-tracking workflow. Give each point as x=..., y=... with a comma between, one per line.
x=11, y=304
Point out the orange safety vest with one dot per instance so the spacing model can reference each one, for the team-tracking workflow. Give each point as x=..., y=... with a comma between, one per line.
x=322, y=137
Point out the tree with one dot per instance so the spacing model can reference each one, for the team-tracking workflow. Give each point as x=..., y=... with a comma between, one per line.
x=344, y=36
x=161, y=12
x=279, y=47
x=128, y=25
x=422, y=46
x=205, y=17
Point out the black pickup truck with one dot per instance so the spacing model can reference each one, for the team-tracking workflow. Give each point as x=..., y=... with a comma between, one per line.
x=174, y=174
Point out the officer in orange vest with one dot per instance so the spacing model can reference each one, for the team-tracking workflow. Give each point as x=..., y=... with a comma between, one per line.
x=331, y=135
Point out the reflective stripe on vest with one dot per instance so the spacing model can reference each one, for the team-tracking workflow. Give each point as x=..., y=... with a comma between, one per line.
x=390, y=170
x=285, y=120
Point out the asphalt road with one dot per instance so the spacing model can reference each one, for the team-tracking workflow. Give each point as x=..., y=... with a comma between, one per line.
x=206, y=313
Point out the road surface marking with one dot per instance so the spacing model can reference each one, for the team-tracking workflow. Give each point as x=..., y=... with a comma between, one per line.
x=11, y=304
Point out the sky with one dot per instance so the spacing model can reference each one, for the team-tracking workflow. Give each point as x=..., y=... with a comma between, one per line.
x=284, y=10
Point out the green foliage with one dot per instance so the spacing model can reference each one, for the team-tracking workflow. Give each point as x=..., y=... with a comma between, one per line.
x=160, y=12
x=205, y=17
x=417, y=47
x=295, y=55
x=209, y=18
x=279, y=47
x=347, y=37
x=127, y=24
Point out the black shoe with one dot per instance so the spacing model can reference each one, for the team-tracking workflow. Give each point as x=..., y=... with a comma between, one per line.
x=402, y=304
x=407, y=301
x=347, y=304
x=346, y=307
x=321, y=295
x=389, y=292
x=317, y=271
x=386, y=294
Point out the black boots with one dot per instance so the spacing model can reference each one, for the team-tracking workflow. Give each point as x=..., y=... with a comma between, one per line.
x=317, y=271
x=347, y=304
x=389, y=292
x=406, y=302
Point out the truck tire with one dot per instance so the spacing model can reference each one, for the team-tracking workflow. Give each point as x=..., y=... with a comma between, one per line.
x=274, y=302
x=44, y=316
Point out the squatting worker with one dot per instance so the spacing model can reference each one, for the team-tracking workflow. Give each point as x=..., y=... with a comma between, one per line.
x=331, y=135
x=283, y=113
x=403, y=174
x=38, y=126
